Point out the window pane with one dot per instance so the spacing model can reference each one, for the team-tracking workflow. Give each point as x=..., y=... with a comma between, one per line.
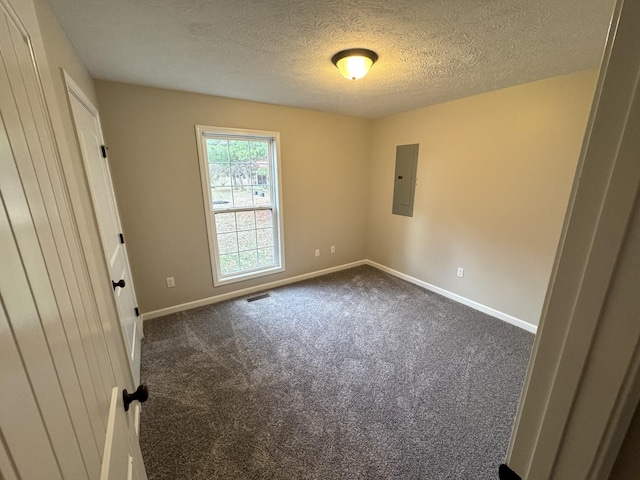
x=227, y=243
x=260, y=175
x=242, y=197
x=263, y=219
x=265, y=237
x=265, y=257
x=260, y=151
x=246, y=220
x=217, y=151
x=247, y=240
x=248, y=260
x=260, y=179
x=229, y=264
x=259, y=163
x=219, y=174
x=241, y=174
x=237, y=150
x=221, y=197
x=240, y=168
x=262, y=196
x=225, y=222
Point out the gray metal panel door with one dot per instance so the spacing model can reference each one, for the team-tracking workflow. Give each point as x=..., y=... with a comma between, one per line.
x=404, y=184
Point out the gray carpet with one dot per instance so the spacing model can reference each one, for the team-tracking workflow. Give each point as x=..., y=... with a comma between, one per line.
x=354, y=375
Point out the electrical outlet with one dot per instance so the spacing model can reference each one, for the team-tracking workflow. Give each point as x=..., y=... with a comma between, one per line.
x=333, y=249
x=460, y=272
x=170, y=282
x=317, y=252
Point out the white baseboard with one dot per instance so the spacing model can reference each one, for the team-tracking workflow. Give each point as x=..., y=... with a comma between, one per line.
x=246, y=291
x=267, y=286
x=453, y=296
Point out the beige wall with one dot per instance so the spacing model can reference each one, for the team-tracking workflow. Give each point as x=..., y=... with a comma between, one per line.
x=494, y=176
x=62, y=55
x=152, y=147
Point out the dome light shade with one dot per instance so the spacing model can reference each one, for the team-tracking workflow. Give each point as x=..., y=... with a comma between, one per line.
x=355, y=62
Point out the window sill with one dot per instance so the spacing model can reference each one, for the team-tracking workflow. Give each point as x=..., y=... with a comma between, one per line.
x=241, y=277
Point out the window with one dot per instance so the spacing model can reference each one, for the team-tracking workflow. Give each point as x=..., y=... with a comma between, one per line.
x=240, y=181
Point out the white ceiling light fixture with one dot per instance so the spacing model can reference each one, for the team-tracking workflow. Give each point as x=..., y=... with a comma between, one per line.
x=355, y=62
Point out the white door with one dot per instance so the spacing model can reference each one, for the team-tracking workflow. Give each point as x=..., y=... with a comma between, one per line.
x=98, y=173
x=61, y=411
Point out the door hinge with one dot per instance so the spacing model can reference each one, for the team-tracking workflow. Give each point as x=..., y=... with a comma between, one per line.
x=137, y=312
x=103, y=149
x=121, y=237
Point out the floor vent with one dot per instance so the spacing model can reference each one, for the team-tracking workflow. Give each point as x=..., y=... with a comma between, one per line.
x=260, y=296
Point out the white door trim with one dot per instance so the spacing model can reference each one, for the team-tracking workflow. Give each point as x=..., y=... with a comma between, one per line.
x=74, y=90
x=574, y=411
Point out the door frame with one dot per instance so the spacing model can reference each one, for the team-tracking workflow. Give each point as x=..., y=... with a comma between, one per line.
x=72, y=88
x=582, y=388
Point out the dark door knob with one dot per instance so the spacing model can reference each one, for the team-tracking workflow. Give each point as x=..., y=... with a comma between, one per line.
x=120, y=284
x=141, y=395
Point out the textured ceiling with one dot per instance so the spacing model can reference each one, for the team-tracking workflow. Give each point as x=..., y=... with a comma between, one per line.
x=279, y=51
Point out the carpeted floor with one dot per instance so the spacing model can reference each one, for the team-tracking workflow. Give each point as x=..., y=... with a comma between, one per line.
x=354, y=375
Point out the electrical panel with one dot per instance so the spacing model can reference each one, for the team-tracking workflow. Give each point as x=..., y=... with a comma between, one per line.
x=404, y=183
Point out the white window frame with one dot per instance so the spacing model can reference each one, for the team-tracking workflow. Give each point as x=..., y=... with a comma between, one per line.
x=202, y=133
